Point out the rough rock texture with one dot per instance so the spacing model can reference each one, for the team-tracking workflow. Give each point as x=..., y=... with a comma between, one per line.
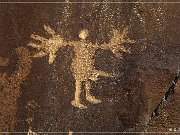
x=168, y=117
x=128, y=101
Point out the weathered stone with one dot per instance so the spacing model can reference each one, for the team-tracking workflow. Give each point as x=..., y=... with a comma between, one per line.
x=143, y=72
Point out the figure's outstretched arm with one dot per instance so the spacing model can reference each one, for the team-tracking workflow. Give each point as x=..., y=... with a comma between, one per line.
x=55, y=39
x=48, y=46
x=116, y=42
x=73, y=43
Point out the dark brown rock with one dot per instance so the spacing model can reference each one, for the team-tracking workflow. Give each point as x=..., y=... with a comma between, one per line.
x=128, y=101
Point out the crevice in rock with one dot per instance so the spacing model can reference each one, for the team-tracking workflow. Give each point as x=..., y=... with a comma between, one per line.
x=167, y=96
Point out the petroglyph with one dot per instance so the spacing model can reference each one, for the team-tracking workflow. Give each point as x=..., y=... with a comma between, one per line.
x=82, y=65
x=11, y=89
x=48, y=46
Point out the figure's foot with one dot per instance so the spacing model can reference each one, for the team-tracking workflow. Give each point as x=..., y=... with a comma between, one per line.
x=93, y=100
x=78, y=104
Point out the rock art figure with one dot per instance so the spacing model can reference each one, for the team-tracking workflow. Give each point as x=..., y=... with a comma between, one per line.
x=82, y=65
x=10, y=88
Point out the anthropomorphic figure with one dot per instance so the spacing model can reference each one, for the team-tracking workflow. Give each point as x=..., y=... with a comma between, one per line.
x=10, y=88
x=82, y=65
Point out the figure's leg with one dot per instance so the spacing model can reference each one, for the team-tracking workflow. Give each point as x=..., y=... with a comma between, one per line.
x=89, y=97
x=76, y=101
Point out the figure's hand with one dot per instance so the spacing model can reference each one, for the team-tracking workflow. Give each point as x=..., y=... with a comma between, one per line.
x=48, y=46
x=117, y=41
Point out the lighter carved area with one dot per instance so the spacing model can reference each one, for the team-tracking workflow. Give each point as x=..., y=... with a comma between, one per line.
x=10, y=88
x=82, y=65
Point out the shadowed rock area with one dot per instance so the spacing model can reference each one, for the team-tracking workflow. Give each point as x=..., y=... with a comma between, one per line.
x=40, y=100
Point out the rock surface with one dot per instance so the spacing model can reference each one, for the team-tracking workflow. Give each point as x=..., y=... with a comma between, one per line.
x=128, y=100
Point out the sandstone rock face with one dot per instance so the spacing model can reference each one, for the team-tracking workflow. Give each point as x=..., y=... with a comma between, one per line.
x=125, y=72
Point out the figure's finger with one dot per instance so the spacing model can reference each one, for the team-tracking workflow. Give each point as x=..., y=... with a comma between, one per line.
x=130, y=41
x=40, y=54
x=37, y=37
x=49, y=30
x=51, y=58
x=120, y=36
x=34, y=45
x=104, y=46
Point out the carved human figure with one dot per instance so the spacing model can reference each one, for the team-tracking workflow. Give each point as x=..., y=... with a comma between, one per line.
x=82, y=65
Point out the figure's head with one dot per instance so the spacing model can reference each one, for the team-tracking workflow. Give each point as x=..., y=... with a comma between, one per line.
x=83, y=34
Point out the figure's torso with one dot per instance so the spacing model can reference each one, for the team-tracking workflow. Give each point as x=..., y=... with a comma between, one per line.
x=83, y=62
